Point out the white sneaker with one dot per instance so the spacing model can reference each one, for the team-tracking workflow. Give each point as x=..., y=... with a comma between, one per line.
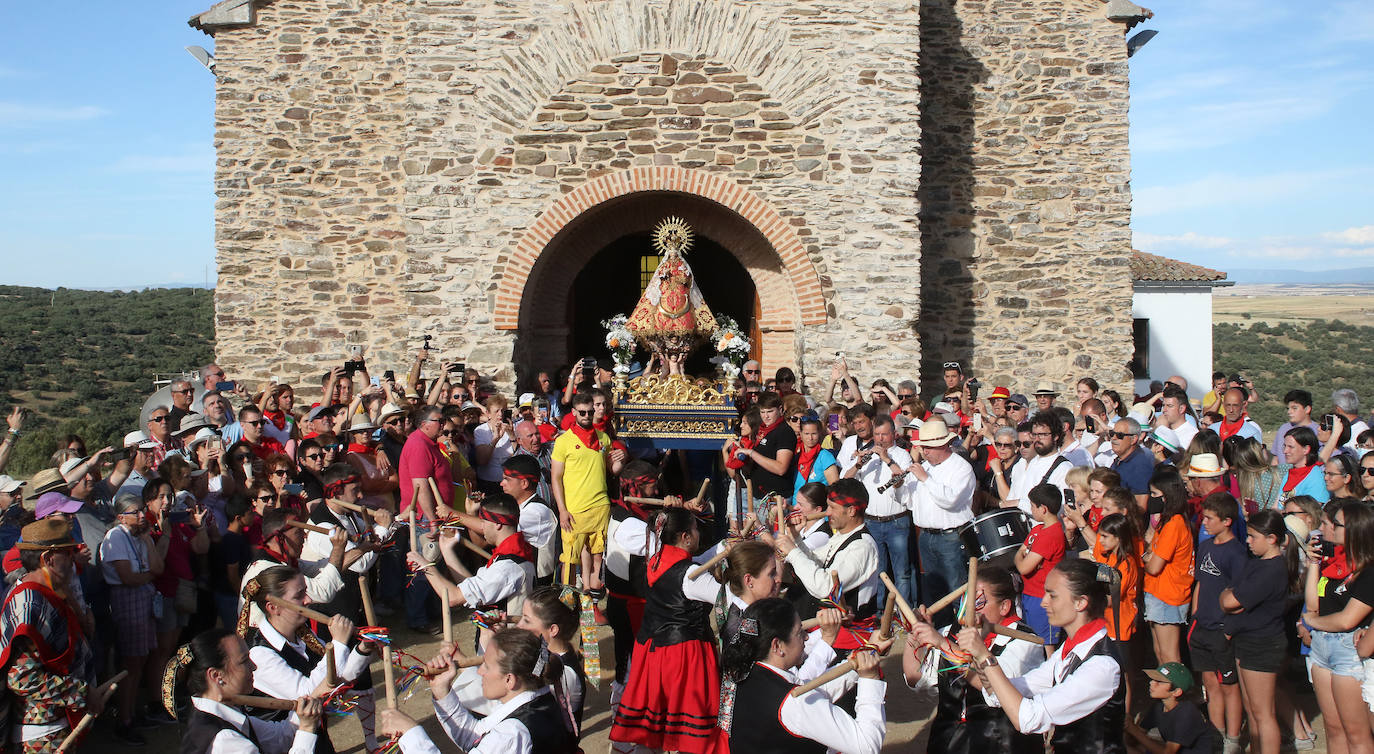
x=1231, y=745
x=1305, y=744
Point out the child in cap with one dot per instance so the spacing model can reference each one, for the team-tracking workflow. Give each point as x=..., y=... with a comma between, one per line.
x=1180, y=722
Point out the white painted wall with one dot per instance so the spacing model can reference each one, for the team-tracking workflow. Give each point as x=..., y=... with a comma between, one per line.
x=1180, y=335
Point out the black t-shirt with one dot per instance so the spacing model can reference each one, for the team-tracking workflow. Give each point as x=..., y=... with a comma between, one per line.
x=779, y=439
x=232, y=547
x=1182, y=725
x=311, y=486
x=1333, y=595
x=1262, y=589
x=1218, y=566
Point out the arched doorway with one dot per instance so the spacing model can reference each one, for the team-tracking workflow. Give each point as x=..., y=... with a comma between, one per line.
x=591, y=269
x=612, y=281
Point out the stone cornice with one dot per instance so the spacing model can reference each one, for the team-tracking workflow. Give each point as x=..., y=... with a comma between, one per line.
x=225, y=15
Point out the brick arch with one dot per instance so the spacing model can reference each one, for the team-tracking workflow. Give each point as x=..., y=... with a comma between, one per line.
x=796, y=297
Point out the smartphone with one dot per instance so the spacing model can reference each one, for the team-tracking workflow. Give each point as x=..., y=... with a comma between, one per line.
x=977, y=422
x=833, y=422
x=225, y=387
x=179, y=517
x=1070, y=498
x=389, y=375
x=506, y=415
x=376, y=381
x=1328, y=422
x=455, y=368
x=353, y=366
x=115, y=456
x=1090, y=424
x=293, y=488
x=543, y=413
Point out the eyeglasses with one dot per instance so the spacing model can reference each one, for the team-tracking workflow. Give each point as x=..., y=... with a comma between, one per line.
x=257, y=423
x=1042, y=434
x=787, y=379
x=1024, y=443
x=1006, y=444
x=138, y=512
x=454, y=432
x=158, y=419
x=1015, y=406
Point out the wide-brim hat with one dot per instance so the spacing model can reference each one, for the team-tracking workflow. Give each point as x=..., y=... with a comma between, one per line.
x=191, y=423
x=1297, y=527
x=1203, y=465
x=318, y=410
x=470, y=406
x=139, y=439
x=1045, y=388
x=47, y=534
x=204, y=435
x=934, y=435
x=1142, y=413
x=47, y=480
x=389, y=410
x=70, y=465
x=363, y=426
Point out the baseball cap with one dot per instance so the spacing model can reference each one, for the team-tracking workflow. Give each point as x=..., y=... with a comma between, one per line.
x=9, y=483
x=139, y=439
x=54, y=502
x=1018, y=399
x=1000, y=392
x=526, y=399
x=1174, y=674
x=70, y=464
x=318, y=410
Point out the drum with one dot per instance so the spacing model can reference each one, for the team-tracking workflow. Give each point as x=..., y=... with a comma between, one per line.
x=995, y=535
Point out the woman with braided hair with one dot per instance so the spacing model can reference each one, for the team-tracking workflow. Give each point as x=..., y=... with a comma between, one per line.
x=764, y=717
x=289, y=658
x=218, y=667
x=516, y=671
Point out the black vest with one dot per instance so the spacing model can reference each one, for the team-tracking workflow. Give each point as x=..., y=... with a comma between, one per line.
x=808, y=604
x=202, y=728
x=638, y=583
x=1101, y=731
x=301, y=664
x=349, y=601
x=671, y=617
x=965, y=723
x=757, y=723
x=543, y=718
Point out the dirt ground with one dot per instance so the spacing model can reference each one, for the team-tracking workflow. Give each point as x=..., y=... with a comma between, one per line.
x=907, y=712
x=1272, y=304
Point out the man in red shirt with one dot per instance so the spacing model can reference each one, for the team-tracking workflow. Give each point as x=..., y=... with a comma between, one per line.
x=251, y=419
x=421, y=460
x=1043, y=550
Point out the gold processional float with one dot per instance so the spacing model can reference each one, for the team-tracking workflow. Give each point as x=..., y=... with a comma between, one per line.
x=665, y=408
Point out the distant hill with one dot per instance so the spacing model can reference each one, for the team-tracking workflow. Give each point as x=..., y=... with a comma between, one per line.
x=83, y=361
x=1303, y=277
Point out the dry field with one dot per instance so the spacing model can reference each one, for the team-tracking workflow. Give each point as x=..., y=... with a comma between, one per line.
x=1273, y=304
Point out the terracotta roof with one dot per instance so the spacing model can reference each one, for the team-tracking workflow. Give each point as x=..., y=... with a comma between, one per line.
x=1154, y=268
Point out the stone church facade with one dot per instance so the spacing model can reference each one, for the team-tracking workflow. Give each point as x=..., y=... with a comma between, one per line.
x=906, y=183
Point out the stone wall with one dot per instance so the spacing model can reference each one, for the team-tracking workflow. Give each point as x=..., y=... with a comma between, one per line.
x=1025, y=191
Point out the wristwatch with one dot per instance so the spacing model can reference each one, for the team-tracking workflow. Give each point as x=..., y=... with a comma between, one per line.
x=986, y=662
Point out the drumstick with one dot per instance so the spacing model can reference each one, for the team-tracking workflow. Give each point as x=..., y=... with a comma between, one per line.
x=839, y=671
x=885, y=625
x=708, y=565
x=388, y=672
x=314, y=615
x=945, y=601
x=998, y=628
x=970, y=594
x=104, y=692
x=308, y=527
x=902, y=605
x=261, y=702
x=447, y=617
x=646, y=500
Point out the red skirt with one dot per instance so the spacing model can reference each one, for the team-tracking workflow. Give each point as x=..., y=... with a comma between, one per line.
x=671, y=699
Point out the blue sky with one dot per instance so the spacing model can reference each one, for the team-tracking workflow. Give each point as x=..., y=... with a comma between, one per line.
x=1251, y=123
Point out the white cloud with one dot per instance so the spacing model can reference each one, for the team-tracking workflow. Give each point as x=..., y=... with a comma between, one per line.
x=1361, y=236
x=1189, y=240
x=18, y=114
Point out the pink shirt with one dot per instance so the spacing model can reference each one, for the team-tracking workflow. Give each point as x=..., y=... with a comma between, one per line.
x=421, y=458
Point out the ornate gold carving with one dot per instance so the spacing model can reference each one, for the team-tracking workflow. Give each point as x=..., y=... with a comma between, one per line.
x=673, y=234
x=677, y=427
x=651, y=389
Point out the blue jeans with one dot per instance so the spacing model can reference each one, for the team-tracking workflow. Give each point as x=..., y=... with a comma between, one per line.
x=419, y=595
x=943, y=565
x=894, y=557
x=227, y=607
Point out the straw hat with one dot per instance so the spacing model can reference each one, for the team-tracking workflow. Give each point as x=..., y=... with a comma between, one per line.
x=934, y=435
x=1204, y=465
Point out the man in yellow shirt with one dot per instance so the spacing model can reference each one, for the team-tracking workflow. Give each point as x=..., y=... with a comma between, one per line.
x=582, y=457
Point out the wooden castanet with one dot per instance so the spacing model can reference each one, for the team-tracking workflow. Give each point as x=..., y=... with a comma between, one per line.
x=104, y=692
x=314, y=615
x=839, y=671
x=946, y=601
x=900, y=601
x=260, y=702
x=308, y=527
x=708, y=565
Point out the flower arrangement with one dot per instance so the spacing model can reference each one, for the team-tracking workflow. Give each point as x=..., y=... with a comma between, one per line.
x=620, y=342
x=731, y=344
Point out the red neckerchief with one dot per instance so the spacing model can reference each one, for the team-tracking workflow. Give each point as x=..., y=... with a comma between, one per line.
x=806, y=459
x=666, y=558
x=1296, y=475
x=1336, y=567
x=57, y=663
x=359, y=448
x=515, y=545
x=1082, y=635
x=1226, y=428
x=1007, y=621
x=765, y=429
x=278, y=418
x=309, y=435
x=277, y=556
x=589, y=437
x=744, y=443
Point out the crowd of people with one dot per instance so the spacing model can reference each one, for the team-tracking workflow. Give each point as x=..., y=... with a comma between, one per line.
x=1148, y=573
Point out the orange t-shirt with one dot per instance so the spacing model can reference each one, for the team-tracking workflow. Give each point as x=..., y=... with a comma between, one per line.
x=1173, y=543
x=1129, y=568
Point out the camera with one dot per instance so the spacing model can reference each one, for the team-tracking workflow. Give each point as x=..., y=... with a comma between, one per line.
x=973, y=386
x=427, y=339
x=458, y=368
x=115, y=456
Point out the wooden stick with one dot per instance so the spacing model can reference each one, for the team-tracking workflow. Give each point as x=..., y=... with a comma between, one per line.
x=414, y=533
x=839, y=671
x=813, y=623
x=646, y=500
x=434, y=490
x=261, y=702
x=701, y=493
x=749, y=493
x=363, y=509
x=447, y=616
x=902, y=604
x=708, y=565
x=945, y=601
x=885, y=625
x=461, y=661
x=104, y=692
x=997, y=628
x=308, y=527
x=314, y=615
x=387, y=670
x=331, y=672
x=468, y=543
x=970, y=594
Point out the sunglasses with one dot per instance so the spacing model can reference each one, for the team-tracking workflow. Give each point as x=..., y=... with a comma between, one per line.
x=158, y=419
x=580, y=412
x=187, y=391
x=787, y=379
x=257, y=423
x=454, y=432
x=279, y=472
x=266, y=498
x=1367, y=470
x=794, y=420
x=1024, y=443
x=392, y=423
x=1006, y=444
x=1114, y=435
x=313, y=456
x=952, y=365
